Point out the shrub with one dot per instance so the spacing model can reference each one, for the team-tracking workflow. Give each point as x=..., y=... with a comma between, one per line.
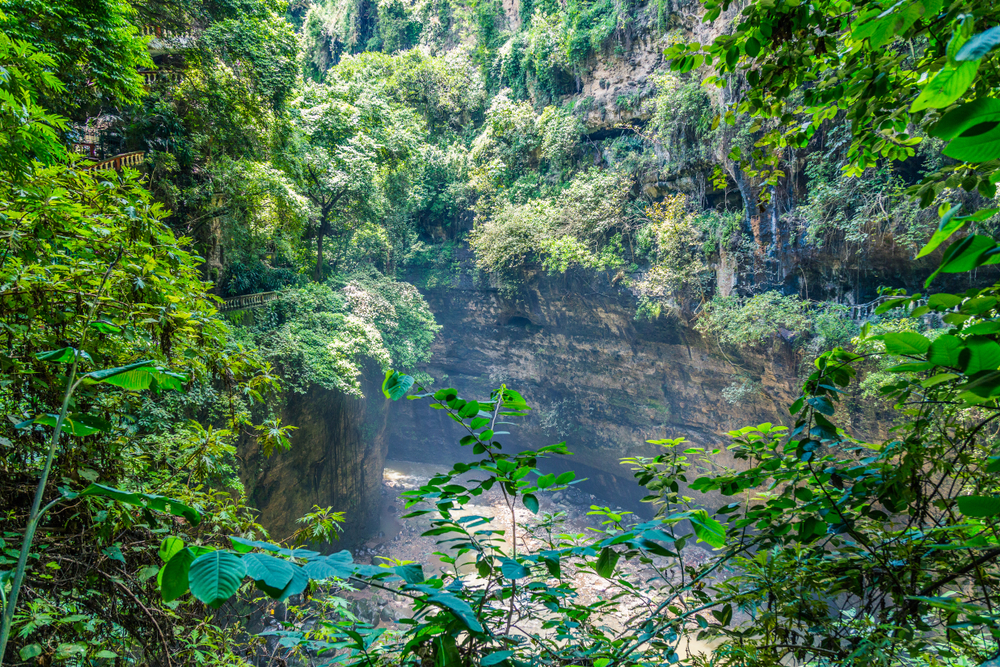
x=674, y=242
x=739, y=322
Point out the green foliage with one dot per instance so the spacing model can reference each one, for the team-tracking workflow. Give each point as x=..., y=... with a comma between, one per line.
x=678, y=270
x=555, y=44
x=348, y=144
x=859, y=213
x=737, y=321
x=27, y=130
x=104, y=310
x=96, y=49
x=577, y=227
x=324, y=335
x=806, y=63
x=682, y=122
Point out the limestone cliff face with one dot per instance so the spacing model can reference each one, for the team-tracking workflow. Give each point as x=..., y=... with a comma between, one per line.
x=597, y=378
x=336, y=460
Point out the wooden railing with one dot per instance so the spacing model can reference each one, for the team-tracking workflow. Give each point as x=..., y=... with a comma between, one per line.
x=248, y=301
x=118, y=162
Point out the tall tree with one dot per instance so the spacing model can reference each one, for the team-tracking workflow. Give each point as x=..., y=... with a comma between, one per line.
x=346, y=143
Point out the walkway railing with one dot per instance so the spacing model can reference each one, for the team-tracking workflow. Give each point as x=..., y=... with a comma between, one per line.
x=248, y=301
x=150, y=77
x=118, y=162
x=864, y=311
x=159, y=32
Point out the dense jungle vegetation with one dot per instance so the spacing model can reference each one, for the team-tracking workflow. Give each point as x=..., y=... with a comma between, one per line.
x=157, y=156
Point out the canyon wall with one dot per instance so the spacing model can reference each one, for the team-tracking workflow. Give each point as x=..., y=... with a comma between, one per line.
x=596, y=377
x=336, y=459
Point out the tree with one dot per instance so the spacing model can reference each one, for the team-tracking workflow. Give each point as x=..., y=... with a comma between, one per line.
x=346, y=142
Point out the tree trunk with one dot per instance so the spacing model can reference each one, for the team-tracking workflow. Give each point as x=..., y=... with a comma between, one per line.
x=318, y=276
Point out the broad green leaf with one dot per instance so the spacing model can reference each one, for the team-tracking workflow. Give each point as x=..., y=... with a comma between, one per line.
x=565, y=478
x=984, y=386
x=944, y=89
x=967, y=116
x=412, y=573
x=950, y=224
x=531, y=502
x=459, y=607
x=63, y=356
x=944, y=350
x=470, y=409
x=905, y=342
x=173, y=577
x=134, y=377
x=551, y=560
x=148, y=500
x=979, y=45
x=106, y=327
x=943, y=301
x=511, y=569
x=963, y=255
x=271, y=570
x=545, y=481
x=30, y=651
x=243, y=545
x=707, y=529
x=495, y=658
x=979, y=143
x=170, y=546
x=980, y=507
x=215, y=577
x=321, y=568
x=298, y=583
x=395, y=385
x=606, y=562
x=70, y=425
x=983, y=355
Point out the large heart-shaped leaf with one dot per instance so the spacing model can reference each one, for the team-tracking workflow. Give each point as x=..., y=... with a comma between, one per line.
x=215, y=577
x=273, y=571
x=395, y=385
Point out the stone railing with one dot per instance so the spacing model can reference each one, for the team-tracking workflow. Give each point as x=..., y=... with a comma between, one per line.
x=248, y=301
x=159, y=32
x=864, y=311
x=119, y=162
x=150, y=77
x=165, y=41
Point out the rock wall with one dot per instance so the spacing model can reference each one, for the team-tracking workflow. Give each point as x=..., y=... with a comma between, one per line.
x=596, y=377
x=336, y=459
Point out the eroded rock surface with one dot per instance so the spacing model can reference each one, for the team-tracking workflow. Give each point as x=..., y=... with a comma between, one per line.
x=597, y=378
x=336, y=459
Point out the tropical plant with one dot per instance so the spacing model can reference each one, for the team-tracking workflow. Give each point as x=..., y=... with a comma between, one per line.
x=896, y=72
